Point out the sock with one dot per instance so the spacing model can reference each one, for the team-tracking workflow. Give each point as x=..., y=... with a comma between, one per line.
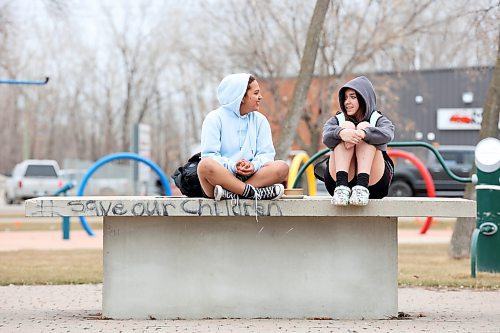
x=249, y=191
x=342, y=178
x=363, y=179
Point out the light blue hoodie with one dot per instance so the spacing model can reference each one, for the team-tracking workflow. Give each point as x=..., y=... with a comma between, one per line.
x=228, y=137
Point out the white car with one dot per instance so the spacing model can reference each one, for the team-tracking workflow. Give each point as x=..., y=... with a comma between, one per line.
x=96, y=185
x=32, y=178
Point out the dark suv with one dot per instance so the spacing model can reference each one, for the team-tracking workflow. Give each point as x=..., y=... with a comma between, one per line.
x=408, y=182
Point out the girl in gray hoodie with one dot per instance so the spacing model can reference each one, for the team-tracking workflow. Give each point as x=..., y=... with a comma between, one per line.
x=358, y=167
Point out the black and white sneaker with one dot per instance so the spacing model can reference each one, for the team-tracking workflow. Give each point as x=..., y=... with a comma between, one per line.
x=221, y=193
x=273, y=192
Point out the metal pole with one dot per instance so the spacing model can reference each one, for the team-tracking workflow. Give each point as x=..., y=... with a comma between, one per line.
x=25, y=82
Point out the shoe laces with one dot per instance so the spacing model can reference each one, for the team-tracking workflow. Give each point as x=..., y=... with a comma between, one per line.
x=360, y=195
x=360, y=191
x=266, y=192
x=341, y=195
x=342, y=191
x=235, y=201
x=256, y=198
x=235, y=198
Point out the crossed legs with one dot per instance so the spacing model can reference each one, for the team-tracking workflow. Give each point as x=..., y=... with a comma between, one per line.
x=211, y=173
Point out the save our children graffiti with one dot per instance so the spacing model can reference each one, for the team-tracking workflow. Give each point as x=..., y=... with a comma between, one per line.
x=200, y=207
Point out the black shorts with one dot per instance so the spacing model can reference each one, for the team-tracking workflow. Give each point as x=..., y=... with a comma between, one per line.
x=377, y=190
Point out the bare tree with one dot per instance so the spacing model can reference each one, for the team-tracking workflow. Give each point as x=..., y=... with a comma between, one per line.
x=160, y=62
x=361, y=37
x=9, y=116
x=304, y=78
x=462, y=233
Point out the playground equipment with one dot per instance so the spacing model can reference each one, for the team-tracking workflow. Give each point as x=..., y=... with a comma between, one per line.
x=426, y=175
x=24, y=82
x=391, y=144
x=112, y=157
x=65, y=221
x=302, y=157
x=485, y=247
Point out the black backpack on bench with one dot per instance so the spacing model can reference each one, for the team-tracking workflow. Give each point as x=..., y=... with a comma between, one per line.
x=186, y=177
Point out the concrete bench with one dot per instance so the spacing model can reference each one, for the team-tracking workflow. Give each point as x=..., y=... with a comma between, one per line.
x=192, y=258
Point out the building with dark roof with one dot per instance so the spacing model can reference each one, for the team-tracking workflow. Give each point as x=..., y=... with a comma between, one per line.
x=439, y=106
x=442, y=106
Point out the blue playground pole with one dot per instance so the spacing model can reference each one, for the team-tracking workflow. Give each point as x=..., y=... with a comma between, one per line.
x=112, y=157
x=24, y=82
x=65, y=221
x=65, y=226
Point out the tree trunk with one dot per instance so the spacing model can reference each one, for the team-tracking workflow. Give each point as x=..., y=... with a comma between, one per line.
x=461, y=238
x=462, y=233
x=491, y=109
x=289, y=129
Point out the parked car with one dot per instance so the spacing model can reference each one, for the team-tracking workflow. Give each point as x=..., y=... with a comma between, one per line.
x=407, y=180
x=32, y=178
x=96, y=185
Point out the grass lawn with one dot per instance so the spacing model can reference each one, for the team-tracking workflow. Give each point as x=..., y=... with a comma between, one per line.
x=51, y=267
x=428, y=265
x=419, y=265
x=418, y=223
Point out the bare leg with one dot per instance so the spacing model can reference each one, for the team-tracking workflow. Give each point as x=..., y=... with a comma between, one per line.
x=369, y=159
x=342, y=157
x=211, y=173
x=274, y=172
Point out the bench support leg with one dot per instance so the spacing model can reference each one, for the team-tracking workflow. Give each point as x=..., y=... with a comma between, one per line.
x=233, y=267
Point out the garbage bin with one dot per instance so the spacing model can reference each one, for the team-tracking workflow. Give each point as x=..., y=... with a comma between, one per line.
x=486, y=236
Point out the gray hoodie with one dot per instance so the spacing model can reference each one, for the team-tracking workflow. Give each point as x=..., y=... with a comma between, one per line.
x=379, y=136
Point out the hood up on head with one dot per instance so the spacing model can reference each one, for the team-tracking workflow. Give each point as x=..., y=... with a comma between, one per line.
x=365, y=88
x=231, y=91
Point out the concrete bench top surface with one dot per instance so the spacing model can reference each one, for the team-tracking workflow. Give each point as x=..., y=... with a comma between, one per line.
x=183, y=206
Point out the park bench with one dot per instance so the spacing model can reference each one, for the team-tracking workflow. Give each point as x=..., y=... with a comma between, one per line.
x=194, y=258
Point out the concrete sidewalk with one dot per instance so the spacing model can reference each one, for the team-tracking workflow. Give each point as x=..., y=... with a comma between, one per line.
x=77, y=309
x=49, y=240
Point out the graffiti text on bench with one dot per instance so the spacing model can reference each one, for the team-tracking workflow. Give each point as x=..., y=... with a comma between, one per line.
x=200, y=207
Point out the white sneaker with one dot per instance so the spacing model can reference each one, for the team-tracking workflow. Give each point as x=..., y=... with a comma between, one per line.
x=221, y=193
x=341, y=195
x=359, y=196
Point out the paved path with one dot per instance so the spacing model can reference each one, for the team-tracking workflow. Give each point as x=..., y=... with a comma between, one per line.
x=77, y=309
x=48, y=240
x=52, y=240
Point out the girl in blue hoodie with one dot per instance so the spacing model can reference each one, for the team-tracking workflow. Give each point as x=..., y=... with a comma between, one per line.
x=359, y=167
x=237, y=147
